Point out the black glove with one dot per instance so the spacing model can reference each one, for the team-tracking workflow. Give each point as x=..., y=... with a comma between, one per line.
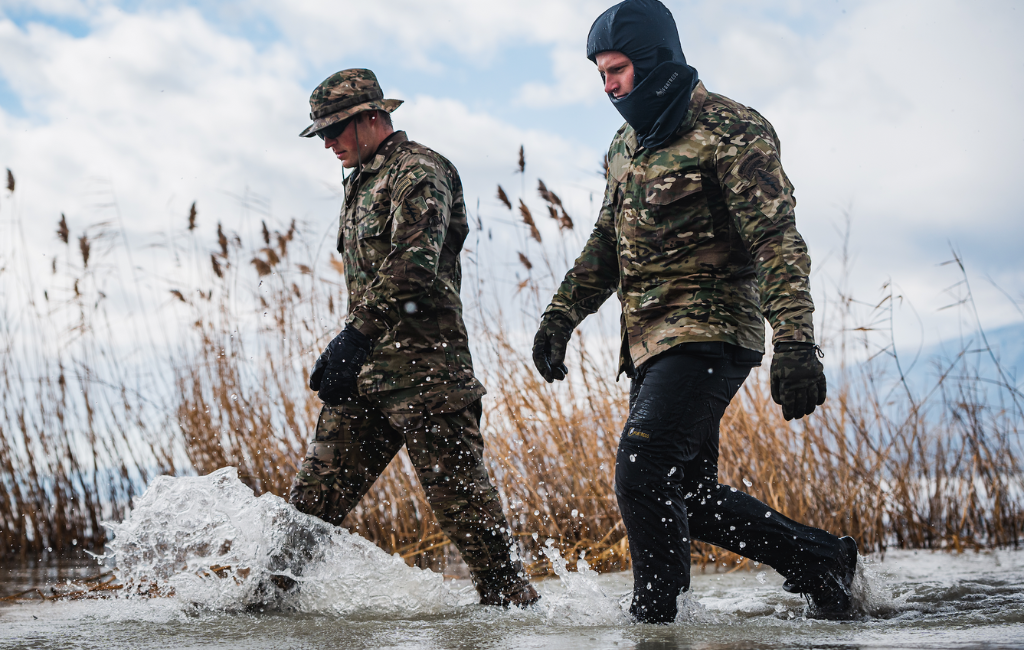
x=549, y=346
x=335, y=372
x=798, y=378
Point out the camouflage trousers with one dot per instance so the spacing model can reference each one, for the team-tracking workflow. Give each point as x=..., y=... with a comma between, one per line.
x=355, y=442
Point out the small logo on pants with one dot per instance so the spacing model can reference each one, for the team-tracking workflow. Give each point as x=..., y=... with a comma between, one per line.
x=636, y=433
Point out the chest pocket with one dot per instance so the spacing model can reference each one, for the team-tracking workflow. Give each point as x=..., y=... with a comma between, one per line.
x=372, y=232
x=677, y=210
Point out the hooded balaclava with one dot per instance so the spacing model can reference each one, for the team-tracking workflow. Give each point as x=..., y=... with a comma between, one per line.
x=644, y=31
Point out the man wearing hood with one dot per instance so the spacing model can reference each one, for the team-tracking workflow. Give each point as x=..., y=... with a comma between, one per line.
x=400, y=371
x=697, y=235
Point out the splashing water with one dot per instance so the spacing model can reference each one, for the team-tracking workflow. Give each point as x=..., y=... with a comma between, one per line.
x=216, y=549
x=582, y=601
x=210, y=542
x=181, y=527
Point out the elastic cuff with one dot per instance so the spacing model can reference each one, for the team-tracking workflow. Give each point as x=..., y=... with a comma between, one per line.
x=785, y=346
x=554, y=313
x=370, y=327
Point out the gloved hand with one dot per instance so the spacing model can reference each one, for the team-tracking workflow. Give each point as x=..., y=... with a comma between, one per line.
x=335, y=372
x=549, y=346
x=798, y=378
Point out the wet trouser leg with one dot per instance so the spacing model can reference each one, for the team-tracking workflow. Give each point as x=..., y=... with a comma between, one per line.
x=354, y=444
x=448, y=455
x=666, y=481
x=351, y=447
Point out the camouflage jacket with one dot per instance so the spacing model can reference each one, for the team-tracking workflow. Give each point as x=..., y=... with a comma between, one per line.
x=402, y=229
x=698, y=238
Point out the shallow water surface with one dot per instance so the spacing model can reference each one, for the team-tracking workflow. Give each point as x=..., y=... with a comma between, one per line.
x=352, y=595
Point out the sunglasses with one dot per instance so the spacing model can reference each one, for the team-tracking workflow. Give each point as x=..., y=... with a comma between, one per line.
x=334, y=130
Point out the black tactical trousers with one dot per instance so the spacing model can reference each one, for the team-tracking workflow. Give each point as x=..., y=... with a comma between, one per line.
x=666, y=481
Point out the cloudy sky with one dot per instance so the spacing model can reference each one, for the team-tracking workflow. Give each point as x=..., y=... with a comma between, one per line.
x=898, y=117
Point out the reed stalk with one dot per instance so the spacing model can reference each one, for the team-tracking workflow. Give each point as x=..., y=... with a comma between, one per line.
x=83, y=427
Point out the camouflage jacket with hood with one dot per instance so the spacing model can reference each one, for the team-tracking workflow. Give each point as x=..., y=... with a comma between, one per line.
x=403, y=225
x=697, y=236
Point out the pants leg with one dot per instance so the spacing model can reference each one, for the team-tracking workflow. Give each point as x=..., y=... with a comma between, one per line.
x=447, y=451
x=353, y=445
x=667, y=483
x=734, y=520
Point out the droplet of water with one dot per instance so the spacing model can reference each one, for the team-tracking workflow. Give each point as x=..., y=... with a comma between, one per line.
x=217, y=520
x=767, y=514
x=746, y=481
x=743, y=544
x=672, y=471
x=762, y=577
x=632, y=458
x=575, y=512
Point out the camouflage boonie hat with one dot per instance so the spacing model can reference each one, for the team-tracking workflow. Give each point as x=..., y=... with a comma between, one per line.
x=344, y=94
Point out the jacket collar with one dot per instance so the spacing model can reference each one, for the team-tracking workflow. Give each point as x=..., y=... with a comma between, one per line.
x=697, y=97
x=386, y=148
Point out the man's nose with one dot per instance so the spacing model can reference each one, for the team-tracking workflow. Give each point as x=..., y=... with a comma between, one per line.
x=329, y=142
x=611, y=85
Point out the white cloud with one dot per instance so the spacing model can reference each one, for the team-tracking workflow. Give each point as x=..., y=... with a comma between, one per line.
x=904, y=109
x=413, y=29
x=152, y=111
x=576, y=81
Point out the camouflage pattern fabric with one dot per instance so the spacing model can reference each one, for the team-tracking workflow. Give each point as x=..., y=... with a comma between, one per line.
x=697, y=237
x=344, y=94
x=355, y=442
x=402, y=229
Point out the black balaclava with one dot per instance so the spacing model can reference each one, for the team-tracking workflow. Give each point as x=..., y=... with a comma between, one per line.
x=644, y=31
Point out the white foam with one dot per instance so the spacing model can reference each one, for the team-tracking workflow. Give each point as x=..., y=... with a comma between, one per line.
x=182, y=526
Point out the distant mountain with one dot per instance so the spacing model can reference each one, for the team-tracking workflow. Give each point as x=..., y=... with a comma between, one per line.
x=991, y=369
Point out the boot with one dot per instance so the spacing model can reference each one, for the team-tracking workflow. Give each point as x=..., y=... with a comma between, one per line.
x=830, y=592
x=504, y=586
x=522, y=598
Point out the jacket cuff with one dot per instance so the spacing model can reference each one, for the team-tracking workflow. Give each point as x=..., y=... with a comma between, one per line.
x=367, y=323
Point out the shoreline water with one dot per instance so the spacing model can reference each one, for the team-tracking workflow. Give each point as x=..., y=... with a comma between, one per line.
x=922, y=599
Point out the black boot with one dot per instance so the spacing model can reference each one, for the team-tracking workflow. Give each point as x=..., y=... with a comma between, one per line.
x=830, y=592
x=522, y=598
x=504, y=587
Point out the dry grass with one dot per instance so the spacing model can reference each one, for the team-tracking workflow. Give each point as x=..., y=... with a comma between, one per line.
x=83, y=429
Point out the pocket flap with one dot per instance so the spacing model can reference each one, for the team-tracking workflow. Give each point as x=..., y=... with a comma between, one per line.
x=373, y=225
x=671, y=187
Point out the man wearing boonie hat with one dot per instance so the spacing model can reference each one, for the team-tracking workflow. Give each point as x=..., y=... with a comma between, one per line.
x=400, y=372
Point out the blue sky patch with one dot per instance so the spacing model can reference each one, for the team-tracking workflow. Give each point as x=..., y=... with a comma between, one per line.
x=23, y=17
x=10, y=102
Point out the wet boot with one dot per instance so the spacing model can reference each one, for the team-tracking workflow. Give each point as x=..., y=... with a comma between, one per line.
x=504, y=588
x=521, y=598
x=296, y=547
x=830, y=592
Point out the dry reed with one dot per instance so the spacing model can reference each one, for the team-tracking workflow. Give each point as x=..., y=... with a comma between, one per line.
x=79, y=436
